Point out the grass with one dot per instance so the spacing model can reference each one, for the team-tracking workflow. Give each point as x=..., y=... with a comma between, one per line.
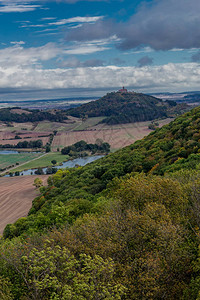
x=43, y=161
x=11, y=159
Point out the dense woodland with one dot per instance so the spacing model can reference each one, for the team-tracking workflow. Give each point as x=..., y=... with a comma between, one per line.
x=128, y=107
x=9, y=115
x=124, y=227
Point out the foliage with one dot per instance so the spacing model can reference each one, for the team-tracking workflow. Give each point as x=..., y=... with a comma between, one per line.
x=38, y=182
x=78, y=148
x=24, y=145
x=54, y=273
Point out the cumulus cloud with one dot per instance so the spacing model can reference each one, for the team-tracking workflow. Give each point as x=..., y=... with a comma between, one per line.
x=161, y=25
x=178, y=77
x=145, y=61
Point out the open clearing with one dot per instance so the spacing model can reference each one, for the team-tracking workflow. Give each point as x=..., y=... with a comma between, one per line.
x=16, y=198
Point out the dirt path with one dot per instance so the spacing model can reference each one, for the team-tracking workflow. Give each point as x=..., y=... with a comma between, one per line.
x=16, y=196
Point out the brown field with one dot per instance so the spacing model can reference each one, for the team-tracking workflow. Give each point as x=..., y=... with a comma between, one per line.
x=15, y=142
x=117, y=136
x=8, y=137
x=16, y=198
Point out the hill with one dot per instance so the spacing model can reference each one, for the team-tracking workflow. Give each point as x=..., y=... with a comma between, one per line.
x=123, y=227
x=127, y=107
x=25, y=115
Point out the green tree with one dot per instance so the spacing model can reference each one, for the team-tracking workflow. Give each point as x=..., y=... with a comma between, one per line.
x=38, y=182
x=53, y=273
x=54, y=162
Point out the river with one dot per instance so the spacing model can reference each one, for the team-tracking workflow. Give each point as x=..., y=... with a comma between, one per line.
x=68, y=164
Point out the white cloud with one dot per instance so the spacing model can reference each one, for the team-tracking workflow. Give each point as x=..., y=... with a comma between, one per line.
x=85, y=49
x=18, y=43
x=141, y=50
x=76, y=20
x=18, y=8
x=170, y=77
x=48, y=18
x=18, y=55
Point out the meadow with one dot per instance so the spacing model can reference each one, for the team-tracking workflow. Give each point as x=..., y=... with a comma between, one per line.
x=43, y=161
x=15, y=159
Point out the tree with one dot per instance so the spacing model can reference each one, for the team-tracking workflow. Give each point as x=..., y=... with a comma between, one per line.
x=54, y=162
x=48, y=148
x=39, y=171
x=54, y=273
x=38, y=182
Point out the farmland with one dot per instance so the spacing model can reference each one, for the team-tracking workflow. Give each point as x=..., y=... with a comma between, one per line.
x=14, y=159
x=117, y=136
x=65, y=134
x=16, y=198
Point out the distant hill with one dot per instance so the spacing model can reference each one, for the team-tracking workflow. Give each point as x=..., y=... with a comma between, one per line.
x=19, y=115
x=127, y=107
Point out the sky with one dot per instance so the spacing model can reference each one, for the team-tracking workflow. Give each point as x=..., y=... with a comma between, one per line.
x=99, y=45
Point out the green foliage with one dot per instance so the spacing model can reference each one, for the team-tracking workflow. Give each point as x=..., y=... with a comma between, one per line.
x=5, y=289
x=54, y=273
x=24, y=145
x=38, y=182
x=78, y=148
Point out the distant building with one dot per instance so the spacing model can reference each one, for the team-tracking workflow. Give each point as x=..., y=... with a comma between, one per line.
x=123, y=90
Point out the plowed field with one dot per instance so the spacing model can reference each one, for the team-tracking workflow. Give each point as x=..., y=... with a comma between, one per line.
x=16, y=196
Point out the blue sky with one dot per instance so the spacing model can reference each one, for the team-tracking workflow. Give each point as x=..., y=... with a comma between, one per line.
x=146, y=46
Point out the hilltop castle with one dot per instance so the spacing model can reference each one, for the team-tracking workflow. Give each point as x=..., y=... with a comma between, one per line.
x=123, y=90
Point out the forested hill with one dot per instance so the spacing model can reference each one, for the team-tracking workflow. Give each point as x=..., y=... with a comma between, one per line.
x=25, y=115
x=127, y=107
x=124, y=227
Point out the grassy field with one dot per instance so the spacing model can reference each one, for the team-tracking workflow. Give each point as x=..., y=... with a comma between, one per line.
x=43, y=161
x=12, y=159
